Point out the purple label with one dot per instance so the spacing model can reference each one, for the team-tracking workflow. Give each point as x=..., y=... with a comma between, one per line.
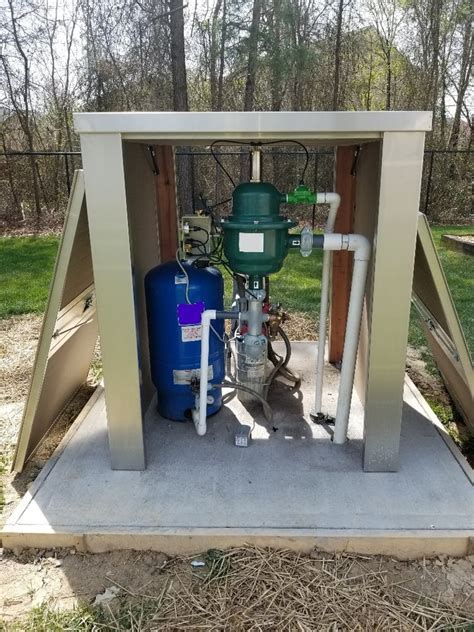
x=190, y=314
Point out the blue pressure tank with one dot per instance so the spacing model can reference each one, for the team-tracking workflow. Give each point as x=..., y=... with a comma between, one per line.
x=174, y=306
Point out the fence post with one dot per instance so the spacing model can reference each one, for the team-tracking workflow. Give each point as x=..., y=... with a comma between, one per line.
x=428, y=183
x=68, y=175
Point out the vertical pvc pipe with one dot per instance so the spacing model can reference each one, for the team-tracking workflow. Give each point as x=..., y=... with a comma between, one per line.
x=334, y=200
x=199, y=416
x=323, y=314
x=361, y=247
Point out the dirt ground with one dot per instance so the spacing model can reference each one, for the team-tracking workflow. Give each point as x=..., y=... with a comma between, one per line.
x=384, y=592
x=441, y=590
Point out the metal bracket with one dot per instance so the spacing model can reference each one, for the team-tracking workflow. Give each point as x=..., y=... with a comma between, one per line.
x=152, y=152
x=356, y=160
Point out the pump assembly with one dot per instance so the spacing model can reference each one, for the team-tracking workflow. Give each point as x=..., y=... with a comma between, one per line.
x=194, y=355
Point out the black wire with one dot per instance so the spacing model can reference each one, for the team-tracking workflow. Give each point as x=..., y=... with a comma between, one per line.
x=197, y=229
x=220, y=163
x=295, y=142
x=220, y=203
x=258, y=144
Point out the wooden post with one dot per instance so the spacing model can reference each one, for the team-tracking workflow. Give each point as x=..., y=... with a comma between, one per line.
x=342, y=261
x=167, y=214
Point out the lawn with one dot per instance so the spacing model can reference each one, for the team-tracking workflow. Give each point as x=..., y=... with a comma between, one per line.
x=26, y=264
x=459, y=270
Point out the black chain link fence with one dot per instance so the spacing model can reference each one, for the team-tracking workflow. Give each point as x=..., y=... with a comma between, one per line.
x=446, y=195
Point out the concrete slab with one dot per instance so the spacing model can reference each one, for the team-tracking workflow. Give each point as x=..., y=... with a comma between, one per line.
x=291, y=487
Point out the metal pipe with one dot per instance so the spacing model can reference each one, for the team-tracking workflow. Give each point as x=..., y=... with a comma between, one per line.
x=254, y=317
x=256, y=160
x=360, y=245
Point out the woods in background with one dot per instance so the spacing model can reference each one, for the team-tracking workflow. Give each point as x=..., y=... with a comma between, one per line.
x=62, y=56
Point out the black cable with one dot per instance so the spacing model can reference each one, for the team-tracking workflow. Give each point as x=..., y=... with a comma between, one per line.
x=258, y=144
x=281, y=364
x=198, y=229
x=220, y=163
x=295, y=142
x=220, y=203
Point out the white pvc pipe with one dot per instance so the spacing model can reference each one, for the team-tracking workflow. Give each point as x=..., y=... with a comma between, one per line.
x=334, y=200
x=200, y=415
x=360, y=245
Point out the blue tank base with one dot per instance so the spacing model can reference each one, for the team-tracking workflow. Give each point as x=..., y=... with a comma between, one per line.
x=179, y=409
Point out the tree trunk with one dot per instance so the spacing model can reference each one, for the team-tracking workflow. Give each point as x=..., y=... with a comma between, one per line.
x=180, y=101
x=220, y=83
x=388, y=95
x=337, y=57
x=464, y=77
x=17, y=210
x=434, y=79
x=213, y=55
x=249, y=95
x=276, y=75
x=219, y=188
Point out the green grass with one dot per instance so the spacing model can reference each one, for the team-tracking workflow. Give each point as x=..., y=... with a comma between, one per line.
x=26, y=266
x=297, y=286
x=83, y=618
x=459, y=270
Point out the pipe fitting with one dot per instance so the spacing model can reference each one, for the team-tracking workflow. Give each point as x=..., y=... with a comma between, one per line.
x=328, y=198
x=334, y=201
x=360, y=245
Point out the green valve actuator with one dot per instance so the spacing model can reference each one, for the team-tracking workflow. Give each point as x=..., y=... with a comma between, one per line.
x=256, y=239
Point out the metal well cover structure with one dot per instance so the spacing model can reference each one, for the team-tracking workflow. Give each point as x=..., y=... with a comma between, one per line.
x=132, y=220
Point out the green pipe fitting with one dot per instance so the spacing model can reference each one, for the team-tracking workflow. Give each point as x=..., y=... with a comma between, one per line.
x=301, y=195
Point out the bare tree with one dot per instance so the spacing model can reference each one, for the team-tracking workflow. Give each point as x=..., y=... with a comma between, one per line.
x=388, y=16
x=464, y=77
x=19, y=91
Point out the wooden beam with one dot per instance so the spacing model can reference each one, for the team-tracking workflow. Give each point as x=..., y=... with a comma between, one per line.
x=167, y=212
x=342, y=261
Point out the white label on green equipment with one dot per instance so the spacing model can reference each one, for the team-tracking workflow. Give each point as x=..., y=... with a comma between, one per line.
x=184, y=376
x=191, y=333
x=251, y=242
